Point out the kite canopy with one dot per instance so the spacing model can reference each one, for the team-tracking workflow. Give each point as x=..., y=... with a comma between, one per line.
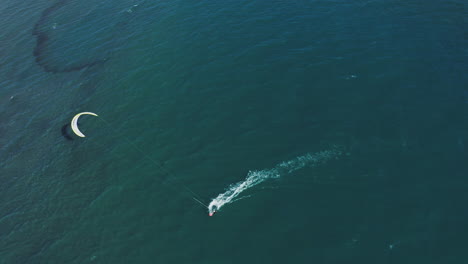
x=74, y=123
x=69, y=39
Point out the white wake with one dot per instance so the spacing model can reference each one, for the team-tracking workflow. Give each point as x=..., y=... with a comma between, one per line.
x=283, y=168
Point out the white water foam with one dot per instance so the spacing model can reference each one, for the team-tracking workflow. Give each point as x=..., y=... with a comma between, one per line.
x=257, y=177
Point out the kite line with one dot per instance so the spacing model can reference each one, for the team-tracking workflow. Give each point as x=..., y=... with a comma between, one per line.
x=193, y=194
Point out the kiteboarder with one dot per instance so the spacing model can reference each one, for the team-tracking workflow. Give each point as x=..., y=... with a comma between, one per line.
x=74, y=126
x=212, y=210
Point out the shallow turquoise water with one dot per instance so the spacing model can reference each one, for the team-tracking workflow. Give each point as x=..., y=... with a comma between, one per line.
x=198, y=93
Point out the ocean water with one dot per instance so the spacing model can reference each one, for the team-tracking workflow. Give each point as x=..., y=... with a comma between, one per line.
x=325, y=131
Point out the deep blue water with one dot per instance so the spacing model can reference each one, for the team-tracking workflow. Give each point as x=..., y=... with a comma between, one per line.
x=195, y=96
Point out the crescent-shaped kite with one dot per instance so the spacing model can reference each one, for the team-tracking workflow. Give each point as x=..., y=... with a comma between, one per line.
x=74, y=123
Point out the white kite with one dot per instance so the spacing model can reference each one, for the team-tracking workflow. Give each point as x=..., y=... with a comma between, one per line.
x=74, y=123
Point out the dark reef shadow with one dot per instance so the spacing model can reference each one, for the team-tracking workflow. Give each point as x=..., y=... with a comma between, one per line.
x=41, y=44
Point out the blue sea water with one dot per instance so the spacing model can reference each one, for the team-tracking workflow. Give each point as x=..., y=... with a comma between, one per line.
x=196, y=96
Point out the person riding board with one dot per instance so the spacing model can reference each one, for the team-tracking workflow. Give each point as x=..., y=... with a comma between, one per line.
x=213, y=210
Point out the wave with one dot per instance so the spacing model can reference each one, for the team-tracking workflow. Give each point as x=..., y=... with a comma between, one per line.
x=256, y=177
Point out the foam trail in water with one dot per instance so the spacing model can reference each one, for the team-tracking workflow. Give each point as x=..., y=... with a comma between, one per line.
x=256, y=177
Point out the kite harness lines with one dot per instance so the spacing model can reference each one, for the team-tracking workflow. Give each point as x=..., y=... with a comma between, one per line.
x=76, y=130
